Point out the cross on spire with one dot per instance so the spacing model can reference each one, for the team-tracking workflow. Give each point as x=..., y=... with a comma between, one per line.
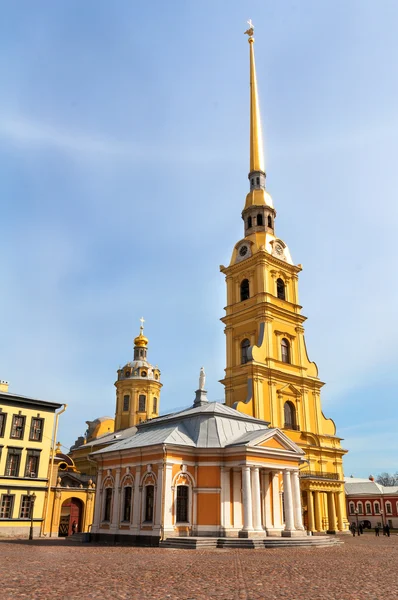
x=142, y=324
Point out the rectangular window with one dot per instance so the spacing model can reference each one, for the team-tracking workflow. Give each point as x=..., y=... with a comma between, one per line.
x=13, y=462
x=182, y=503
x=17, y=427
x=32, y=463
x=126, y=403
x=6, y=506
x=141, y=403
x=155, y=405
x=127, y=504
x=3, y=418
x=26, y=507
x=107, y=504
x=149, y=501
x=36, y=430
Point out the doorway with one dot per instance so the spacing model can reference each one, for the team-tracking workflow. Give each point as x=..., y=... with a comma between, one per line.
x=71, y=512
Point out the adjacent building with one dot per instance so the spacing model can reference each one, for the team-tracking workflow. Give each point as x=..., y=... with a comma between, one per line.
x=371, y=503
x=26, y=434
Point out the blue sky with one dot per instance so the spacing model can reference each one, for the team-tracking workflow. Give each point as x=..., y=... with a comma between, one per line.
x=123, y=172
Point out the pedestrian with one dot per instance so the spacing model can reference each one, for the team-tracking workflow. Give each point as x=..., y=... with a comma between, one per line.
x=361, y=529
x=377, y=531
x=74, y=527
x=387, y=530
x=353, y=529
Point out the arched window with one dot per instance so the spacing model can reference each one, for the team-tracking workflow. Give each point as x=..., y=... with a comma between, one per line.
x=377, y=508
x=285, y=351
x=290, y=415
x=155, y=405
x=280, y=289
x=258, y=180
x=259, y=219
x=368, y=508
x=126, y=403
x=244, y=290
x=107, y=504
x=352, y=508
x=149, y=501
x=249, y=222
x=141, y=403
x=269, y=221
x=244, y=351
x=127, y=496
x=388, y=508
x=360, y=508
x=182, y=504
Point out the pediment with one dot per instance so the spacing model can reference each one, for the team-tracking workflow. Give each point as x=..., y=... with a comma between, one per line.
x=275, y=439
x=289, y=389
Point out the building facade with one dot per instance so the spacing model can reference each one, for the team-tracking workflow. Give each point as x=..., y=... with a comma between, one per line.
x=26, y=434
x=371, y=503
x=268, y=373
x=209, y=470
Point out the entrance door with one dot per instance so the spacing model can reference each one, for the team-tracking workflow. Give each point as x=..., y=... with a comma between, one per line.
x=71, y=512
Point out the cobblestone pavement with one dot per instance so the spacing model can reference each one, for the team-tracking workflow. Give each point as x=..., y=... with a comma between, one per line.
x=363, y=568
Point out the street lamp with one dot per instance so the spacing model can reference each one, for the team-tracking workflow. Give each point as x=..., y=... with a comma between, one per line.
x=356, y=515
x=382, y=518
x=32, y=506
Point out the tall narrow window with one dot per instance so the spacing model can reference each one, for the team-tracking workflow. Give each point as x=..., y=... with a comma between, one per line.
x=280, y=289
x=32, y=463
x=13, y=462
x=290, y=415
x=3, y=417
x=244, y=351
x=126, y=403
x=17, y=428
x=107, y=504
x=155, y=405
x=26, y=507
x=285, y=350
x=388, y=508
x=249, y=222
x=259, y=219
x=377, y=508
x=149, y=498
x=127, y=503
x=368, y=508
x=182, y=504
x=258, y=180
x=352, y=508
x=244, y=290
x=36, y=430
x=270, y=221
x=141, y=403
x=6, y=506
x=360, y=508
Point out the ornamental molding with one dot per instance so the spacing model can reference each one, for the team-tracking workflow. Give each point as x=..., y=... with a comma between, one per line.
x=284, y=334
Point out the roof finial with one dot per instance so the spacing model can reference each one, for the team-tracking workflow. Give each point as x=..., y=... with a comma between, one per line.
x=202, y=378
x=250, y=31
x=142, y=325
x=256, y=136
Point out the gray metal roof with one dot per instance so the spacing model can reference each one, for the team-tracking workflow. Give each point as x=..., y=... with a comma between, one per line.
x=355, y=485
x=211, y=425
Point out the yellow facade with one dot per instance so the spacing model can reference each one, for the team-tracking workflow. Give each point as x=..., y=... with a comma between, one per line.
x=26, y=433
x=268, y=373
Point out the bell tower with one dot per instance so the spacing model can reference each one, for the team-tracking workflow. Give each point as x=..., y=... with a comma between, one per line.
x=268, y=373
x=137, y=387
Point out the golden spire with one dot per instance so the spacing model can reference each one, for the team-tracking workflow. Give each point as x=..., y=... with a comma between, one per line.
x=256, y=136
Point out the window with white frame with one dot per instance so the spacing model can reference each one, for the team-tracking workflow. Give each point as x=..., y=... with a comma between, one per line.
x=26, y=507
x=388, y=508
x=377, y=508
x=360, y=508
x=352, y=508
x=182, y=501
x=368, y=508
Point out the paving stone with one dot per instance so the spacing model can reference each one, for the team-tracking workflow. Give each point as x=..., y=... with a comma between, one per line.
x=362, y=568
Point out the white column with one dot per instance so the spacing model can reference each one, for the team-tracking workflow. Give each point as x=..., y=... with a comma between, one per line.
x=276, y=501
x=116, y=503
x=267, y=501
x=288, y=501
x=247, y=499
x=225, y=498
x=256, y=499
x=298, y=514
x=237, y=499
x=136, y=521
x=98, y=499
x=168, y=500
x=158, y=503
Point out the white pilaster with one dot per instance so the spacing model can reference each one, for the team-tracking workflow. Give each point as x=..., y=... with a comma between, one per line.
x=116, y=503
x=276, y=501
x=256, y=498
x=237, y=499
x=168, y=510
x=247, y=499
x=98, y=500
x=225, y=498
x=136, y=521
x=297, y=508
x=267, y=501
x=158, y=502
x=288, y=502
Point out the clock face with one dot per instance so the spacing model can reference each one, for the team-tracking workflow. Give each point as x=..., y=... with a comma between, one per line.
x=278, y=249
x=243, y=250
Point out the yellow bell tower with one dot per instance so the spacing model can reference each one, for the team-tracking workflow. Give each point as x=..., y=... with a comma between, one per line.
x=137, y=387
x=268, y=373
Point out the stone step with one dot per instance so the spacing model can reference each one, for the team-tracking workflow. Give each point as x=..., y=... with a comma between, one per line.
x=195, y=543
